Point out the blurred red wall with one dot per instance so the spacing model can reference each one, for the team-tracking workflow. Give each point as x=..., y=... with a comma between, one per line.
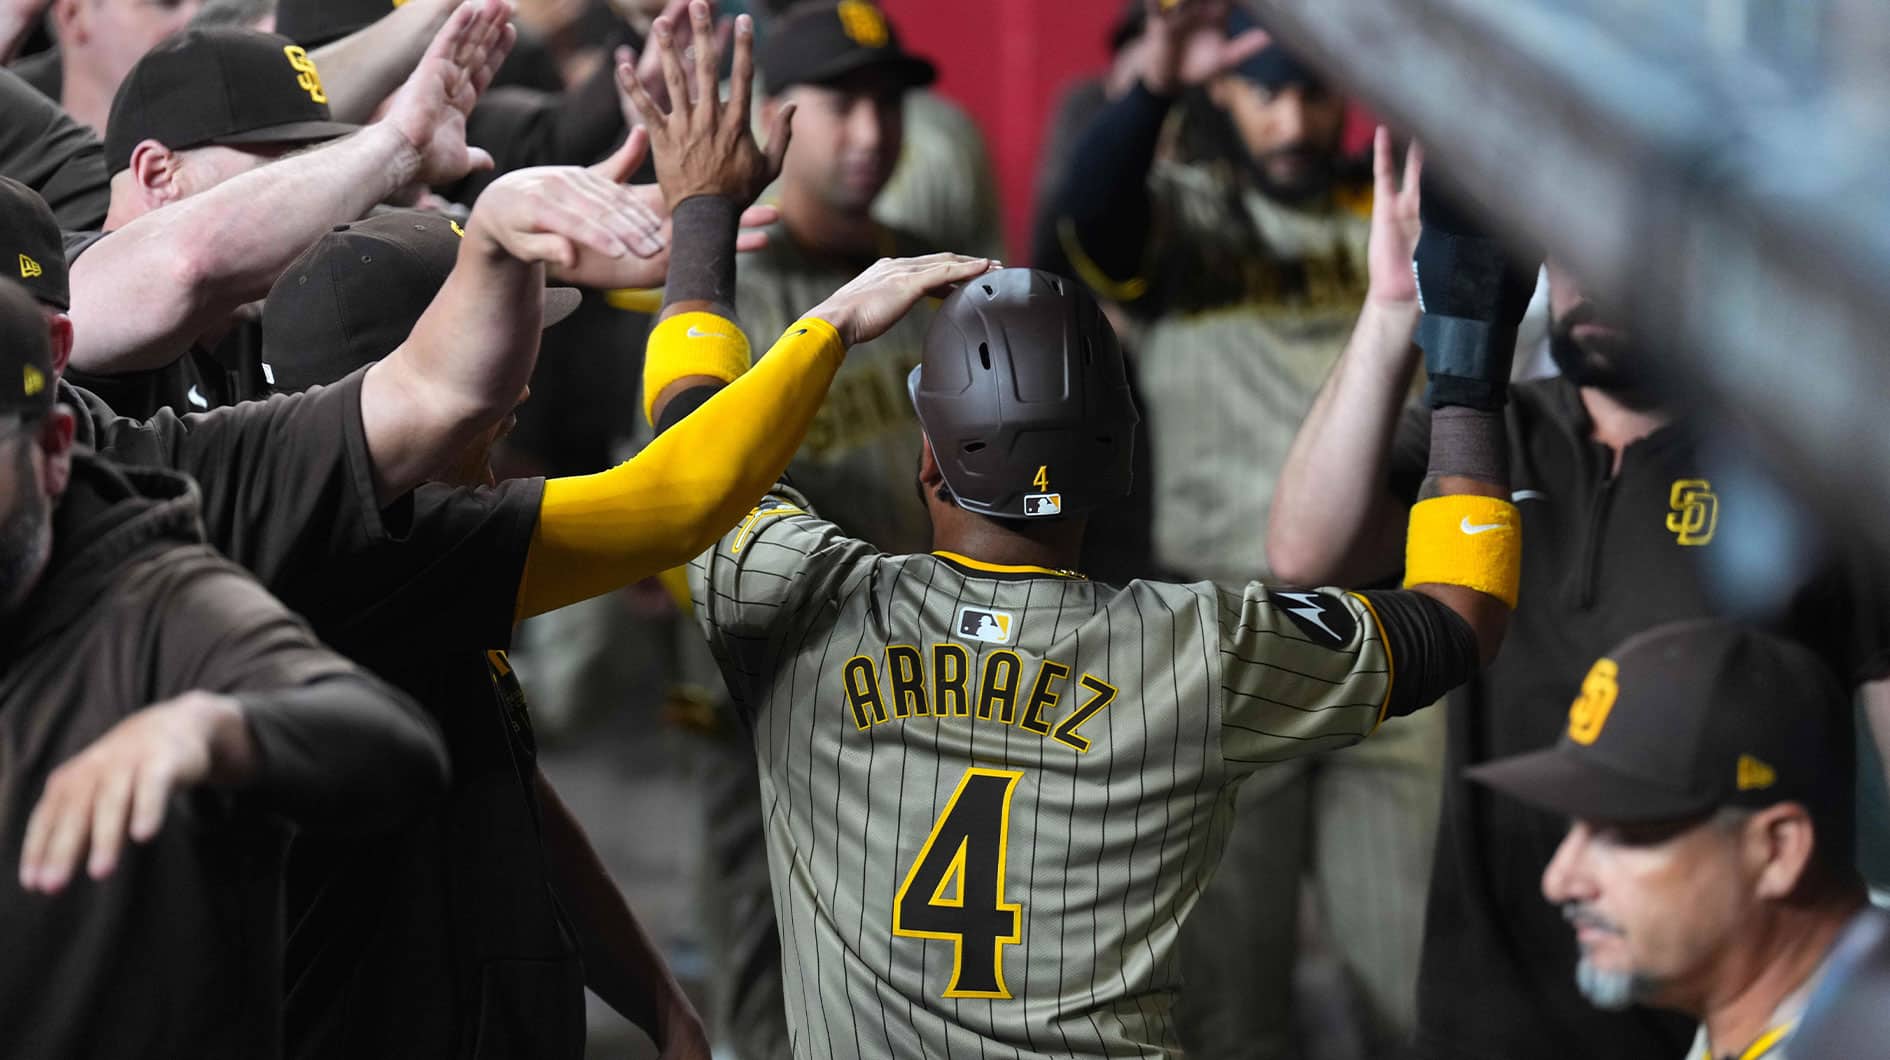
x=1006, y=62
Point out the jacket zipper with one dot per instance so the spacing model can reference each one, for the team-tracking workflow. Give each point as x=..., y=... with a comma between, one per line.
x=1590, y=571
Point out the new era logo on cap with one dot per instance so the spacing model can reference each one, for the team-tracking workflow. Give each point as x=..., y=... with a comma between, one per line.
x=992, y=627
x=32, y=380
x=29, y=268
x=1755, y=775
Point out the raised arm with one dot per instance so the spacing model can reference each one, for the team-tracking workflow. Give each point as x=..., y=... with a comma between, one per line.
x=725, y=436
x=1334, y=519
x=1464, y=542
x=361, y=70
x=1102, y=204
x=141, y=296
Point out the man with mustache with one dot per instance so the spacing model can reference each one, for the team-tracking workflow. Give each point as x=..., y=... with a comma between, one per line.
x=1708, y=864
x=1619, y=477
x=1211, y=203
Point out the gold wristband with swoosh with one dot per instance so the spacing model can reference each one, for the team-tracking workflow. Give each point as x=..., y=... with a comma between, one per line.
x=692, y=344
x=1463, y=539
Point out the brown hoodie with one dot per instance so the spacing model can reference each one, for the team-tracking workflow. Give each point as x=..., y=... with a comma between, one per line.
x=178, y=953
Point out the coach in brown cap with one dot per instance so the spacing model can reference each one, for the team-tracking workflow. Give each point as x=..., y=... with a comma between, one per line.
x=1708, y=772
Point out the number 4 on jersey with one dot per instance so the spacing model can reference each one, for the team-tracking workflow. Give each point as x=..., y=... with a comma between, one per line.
x=955, y=888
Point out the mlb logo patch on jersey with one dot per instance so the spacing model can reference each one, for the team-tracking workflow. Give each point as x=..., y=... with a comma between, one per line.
x=1040, y=504
x=992, y=627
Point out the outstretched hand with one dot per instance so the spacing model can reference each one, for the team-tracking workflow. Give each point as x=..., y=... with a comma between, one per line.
x=1186, y=44
x=705, y=146
x=120, y=786
x=430, y=109
x=1395, y=222
x=872, y=302
x=586, y=225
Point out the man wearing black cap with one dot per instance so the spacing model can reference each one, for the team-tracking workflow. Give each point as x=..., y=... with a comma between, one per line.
x=207, y=224
x=841, y=68
x=165, y=722
x=1707, y=772
x=1210, y=202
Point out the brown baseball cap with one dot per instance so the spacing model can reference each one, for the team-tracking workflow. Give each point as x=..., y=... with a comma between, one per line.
x=26, y=368
x=1687, y=718
x=220, y=85
x=32, y=249
x=822, y=41
x=355, y=295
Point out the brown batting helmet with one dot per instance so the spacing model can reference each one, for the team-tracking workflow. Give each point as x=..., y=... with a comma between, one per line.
x=1025, y=398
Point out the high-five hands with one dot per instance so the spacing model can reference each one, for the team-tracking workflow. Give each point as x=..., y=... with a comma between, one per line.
x=705, y=146
x=1186, y=44
x=429, y=111
x=593, y=230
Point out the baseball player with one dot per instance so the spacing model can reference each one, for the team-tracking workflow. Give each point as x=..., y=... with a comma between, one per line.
x=994, y=788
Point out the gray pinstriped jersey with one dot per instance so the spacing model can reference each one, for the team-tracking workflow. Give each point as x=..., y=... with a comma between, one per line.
x=992, y=796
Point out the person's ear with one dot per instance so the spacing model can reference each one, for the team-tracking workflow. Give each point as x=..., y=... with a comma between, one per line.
x=154, y=169
x=1779, y=842
x=55, y=449
x=70, y=22
x=930, y=475
x=59, y=330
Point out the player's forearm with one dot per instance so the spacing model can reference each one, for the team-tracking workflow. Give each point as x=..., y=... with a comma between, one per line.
x=1333, y=522
x=361, y=70
x=461, y=370
x=622, y=964
x=1464, y=546
x=345, y=753
x=141, y=296
x=701, y=474
x=1102, y=203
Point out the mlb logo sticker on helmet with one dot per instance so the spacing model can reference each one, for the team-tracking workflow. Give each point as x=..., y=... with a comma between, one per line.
x=992, y=627
x=1041, y=504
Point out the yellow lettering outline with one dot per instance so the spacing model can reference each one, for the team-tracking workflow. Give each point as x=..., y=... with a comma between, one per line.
x=987, y=690
x=960, y=688
x=1105, y=694
x=1042, y=698
x=857, y=699
x=956, y=870
x=906, y=685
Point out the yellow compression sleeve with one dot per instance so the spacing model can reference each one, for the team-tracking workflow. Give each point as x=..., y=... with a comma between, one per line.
x=1466, y=540
x=601, y=532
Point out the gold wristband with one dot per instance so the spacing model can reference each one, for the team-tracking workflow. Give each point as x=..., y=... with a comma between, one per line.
x=1466, y=540
x=692, y=344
